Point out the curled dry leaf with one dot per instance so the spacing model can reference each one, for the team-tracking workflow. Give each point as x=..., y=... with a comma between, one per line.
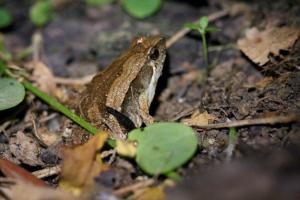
x=257, y=45
x=198, y=119
x=81, y=164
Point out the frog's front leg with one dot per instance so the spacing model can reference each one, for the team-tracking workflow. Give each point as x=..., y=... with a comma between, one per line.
x=144, y=110
x=112, y=123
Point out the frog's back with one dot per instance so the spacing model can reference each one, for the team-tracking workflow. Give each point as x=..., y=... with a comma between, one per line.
x=92, y=105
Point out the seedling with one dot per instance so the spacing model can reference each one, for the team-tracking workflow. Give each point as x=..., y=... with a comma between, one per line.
x=203, y=28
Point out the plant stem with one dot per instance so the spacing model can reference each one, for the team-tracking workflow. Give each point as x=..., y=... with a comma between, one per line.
x=58, y=106
x=204, y=48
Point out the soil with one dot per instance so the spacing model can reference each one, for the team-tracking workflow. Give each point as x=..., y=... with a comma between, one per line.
x=81, y=40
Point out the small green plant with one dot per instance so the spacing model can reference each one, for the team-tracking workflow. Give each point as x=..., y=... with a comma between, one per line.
x=5, y=18
x=141, y=8
x=203, y=28
x=41, y=12
x=162, y=147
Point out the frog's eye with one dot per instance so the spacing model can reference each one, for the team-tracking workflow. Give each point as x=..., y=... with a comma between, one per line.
x=154, y=54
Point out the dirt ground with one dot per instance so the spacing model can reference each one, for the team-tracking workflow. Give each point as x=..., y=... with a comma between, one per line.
x=263, y=162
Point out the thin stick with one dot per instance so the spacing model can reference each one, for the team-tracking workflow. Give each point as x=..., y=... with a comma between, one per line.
x=182, y=32
x=131, y=188
x=73, y=81
x=46, y=172
x=248, y=122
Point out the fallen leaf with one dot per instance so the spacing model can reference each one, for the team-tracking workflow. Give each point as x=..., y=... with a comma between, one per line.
x=261, y=84
x=126, y=148
x=11, y=170
x=17, y=189
x=26, y=149
x=47, y=137
x=257, y=45
x=198, y=119
x=44, y=78
x=153, y=193
x=81, y=164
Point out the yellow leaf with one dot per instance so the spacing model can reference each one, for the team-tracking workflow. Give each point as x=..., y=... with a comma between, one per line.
x=126, y=148
x=153, y=193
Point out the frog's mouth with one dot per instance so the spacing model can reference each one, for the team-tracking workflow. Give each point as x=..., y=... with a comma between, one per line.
x=123, y=120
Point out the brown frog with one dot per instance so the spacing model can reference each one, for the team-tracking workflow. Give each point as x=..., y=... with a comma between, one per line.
x=126, y=87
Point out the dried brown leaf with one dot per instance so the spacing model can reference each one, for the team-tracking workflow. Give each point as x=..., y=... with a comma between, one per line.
x=47, y=137
x=257, y=45
x=11, y=170
x=81, y=164
x=44, y=78
x=26, y=149
x=198, y=119
x=261, y=84
x=17, y=189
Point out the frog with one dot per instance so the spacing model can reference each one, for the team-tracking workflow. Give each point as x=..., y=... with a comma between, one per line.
x=126, y=88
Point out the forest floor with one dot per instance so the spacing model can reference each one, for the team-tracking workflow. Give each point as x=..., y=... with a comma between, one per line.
x=252, y=83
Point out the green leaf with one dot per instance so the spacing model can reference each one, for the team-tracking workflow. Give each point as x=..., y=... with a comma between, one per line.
x=192, y=26
x=5, y=18
x=98, y=2
x=141, y=8
x=162, y=147
x=203, y=22
x=11, y=93
x=41, y=12
x=212, y=29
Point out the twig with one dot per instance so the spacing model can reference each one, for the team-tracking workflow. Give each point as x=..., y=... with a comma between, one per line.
x=182, y=32
x=248, y=122
x=46, y=172
x=37, y=43
x=73, y=81
x=131, y=188
x=42, y=120
x=35, y=131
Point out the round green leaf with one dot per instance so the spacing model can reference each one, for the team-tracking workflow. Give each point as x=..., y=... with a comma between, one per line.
x=11, y=93
x=41, y=12
x=141, y=8
x=162, y=147
x=5, y=18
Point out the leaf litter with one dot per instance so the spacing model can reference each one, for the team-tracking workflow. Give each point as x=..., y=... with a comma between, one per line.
x=236, y=91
